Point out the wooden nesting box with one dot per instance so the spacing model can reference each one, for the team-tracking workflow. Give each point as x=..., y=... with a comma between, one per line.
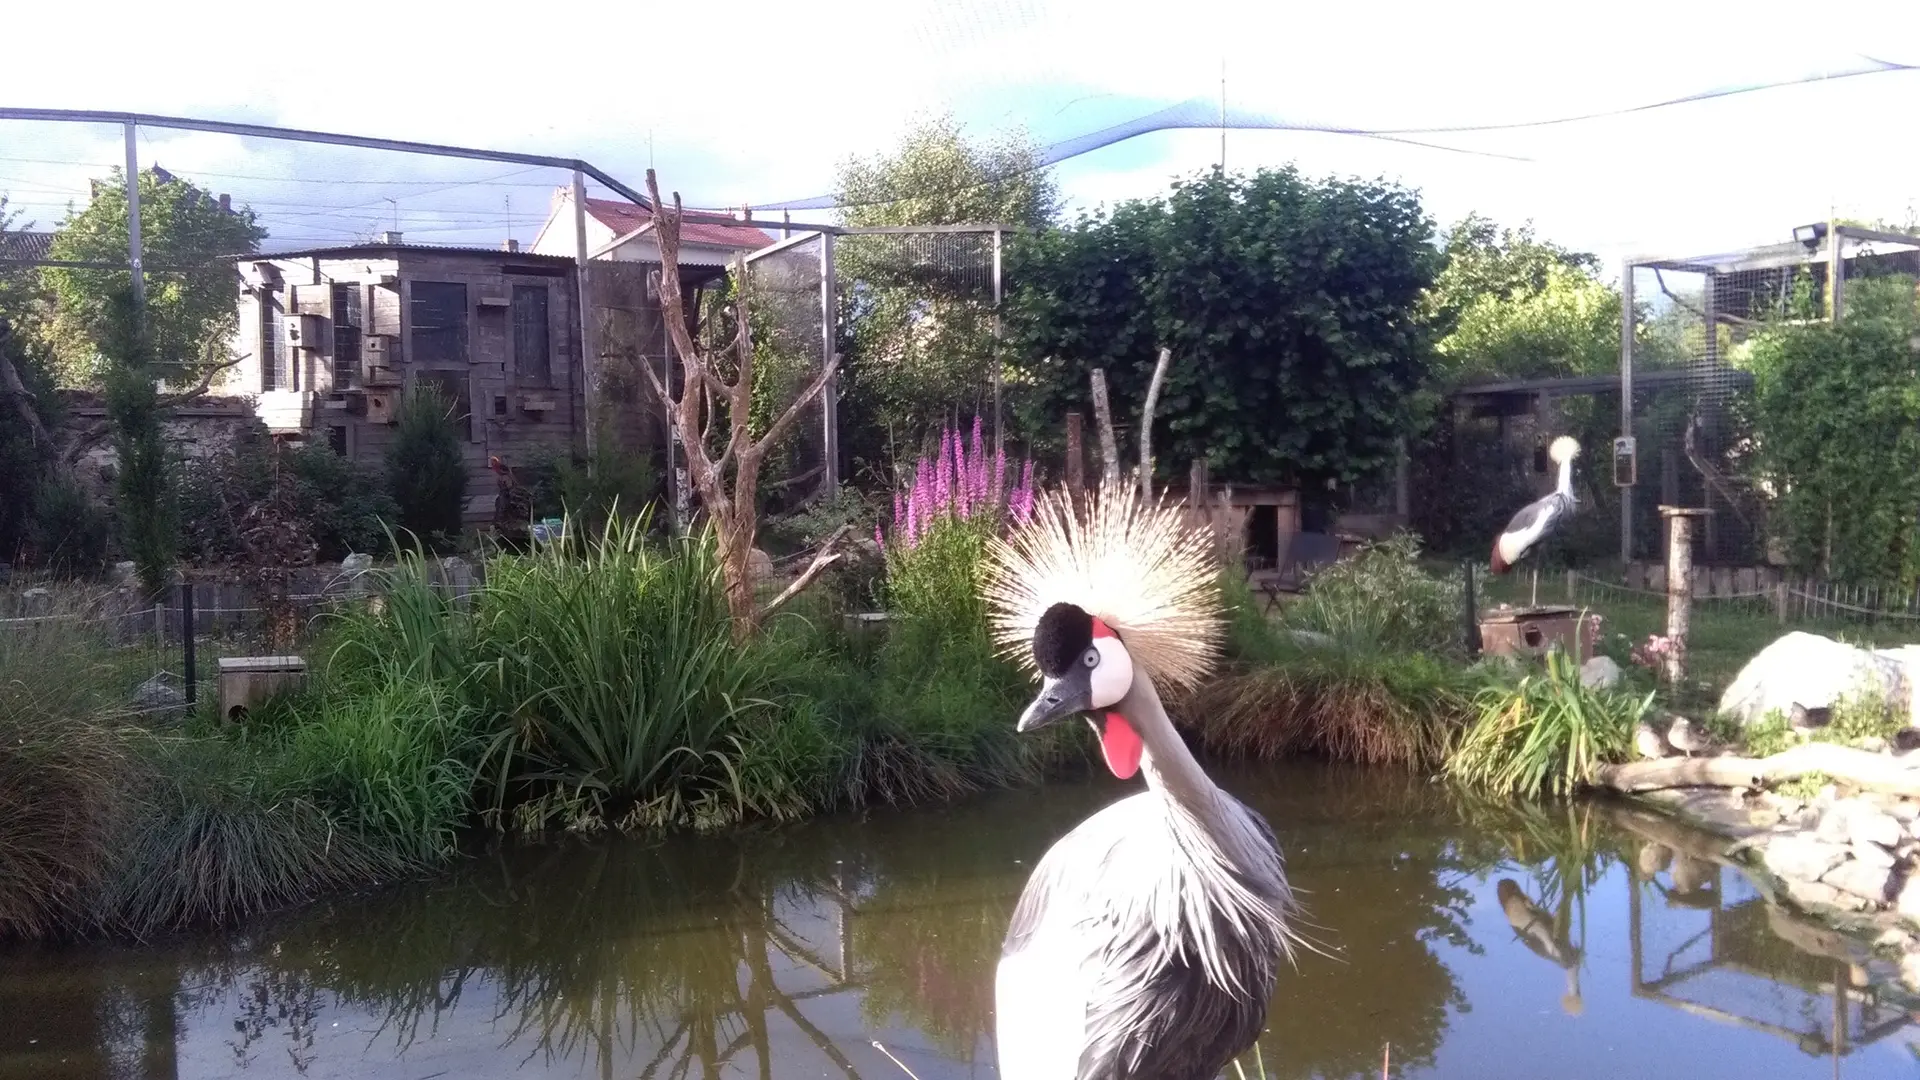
x=246, y=681
x=1509, y=631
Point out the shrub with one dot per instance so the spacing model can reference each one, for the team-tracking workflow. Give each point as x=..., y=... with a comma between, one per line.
x=344, y=503
x=426, y=473
x=149, y=521
x=1363, y=707
x=340, y=504
x=69, y=531
x=1545, y=733
x=1380, y=598
x=562, y=485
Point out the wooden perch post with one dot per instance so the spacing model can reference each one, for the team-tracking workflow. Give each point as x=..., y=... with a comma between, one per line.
x=1146, y=423
x=1076, y=458
x=1679, y=586
x=1103, y=417
x=727, y=484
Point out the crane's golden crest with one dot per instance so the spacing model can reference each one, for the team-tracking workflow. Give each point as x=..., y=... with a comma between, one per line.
x=1563, y=449
x=1139, y=568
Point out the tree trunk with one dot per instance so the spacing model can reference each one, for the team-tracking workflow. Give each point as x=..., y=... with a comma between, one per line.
x=736, y=568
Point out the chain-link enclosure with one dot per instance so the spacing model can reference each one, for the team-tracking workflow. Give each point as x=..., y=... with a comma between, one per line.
x=1691, y=389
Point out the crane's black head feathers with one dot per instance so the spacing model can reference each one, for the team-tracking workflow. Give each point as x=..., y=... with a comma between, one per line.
x=1064, y=633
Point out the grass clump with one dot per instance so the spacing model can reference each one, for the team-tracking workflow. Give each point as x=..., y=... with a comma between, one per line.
x=1381, y=599
x=1545, y=734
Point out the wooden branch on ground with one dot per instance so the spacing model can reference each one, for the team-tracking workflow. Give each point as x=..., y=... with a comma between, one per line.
x=1146, y=422
x=827, y=557
x=205, y=383
x=1869, y=772
x=1103, y=418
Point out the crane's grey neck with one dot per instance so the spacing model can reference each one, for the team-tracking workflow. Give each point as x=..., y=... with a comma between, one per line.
x=1166, y=762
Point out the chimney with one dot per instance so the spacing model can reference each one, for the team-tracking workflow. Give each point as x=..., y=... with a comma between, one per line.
x=226, y=203
x=510, y=245
x=390, y=237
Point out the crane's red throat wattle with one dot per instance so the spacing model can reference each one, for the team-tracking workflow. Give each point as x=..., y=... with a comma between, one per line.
x=1121, y=745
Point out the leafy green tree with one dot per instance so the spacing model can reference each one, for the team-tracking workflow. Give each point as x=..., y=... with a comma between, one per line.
x=1836, y=411
x=1508, y=305
x=917, y=337
x=426, y=473
x=1290, y=306
x=189, y=311
x=148, y=515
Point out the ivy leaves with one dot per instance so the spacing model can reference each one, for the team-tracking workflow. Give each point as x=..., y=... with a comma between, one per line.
x=1290, y=306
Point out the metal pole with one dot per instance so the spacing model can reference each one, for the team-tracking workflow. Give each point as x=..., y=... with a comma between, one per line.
x=589, y=358
x=830, y=393
x=133, y=225
x=1626, y=401
x=186, y=637
x=1836, y=272
x=999, y=426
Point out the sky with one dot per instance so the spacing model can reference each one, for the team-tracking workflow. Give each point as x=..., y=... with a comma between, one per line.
x=756, y=102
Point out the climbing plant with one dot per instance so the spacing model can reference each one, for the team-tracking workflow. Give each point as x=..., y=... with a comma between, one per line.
x=1837, y=416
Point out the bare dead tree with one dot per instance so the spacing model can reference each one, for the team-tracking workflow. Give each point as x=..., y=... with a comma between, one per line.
x=1146, y=422
x=1103, y=419
x=728, y=483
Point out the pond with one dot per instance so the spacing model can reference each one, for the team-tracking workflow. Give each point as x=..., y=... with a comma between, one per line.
x=790, y=952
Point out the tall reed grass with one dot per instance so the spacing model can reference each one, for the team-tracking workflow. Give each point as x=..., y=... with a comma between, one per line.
x=1546, y=734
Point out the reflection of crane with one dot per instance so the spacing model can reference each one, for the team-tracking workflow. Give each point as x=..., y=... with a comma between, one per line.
x=1148, y=940
x=1545, y=936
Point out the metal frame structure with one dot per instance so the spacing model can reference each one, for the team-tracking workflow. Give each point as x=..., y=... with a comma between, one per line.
x=1828, y=243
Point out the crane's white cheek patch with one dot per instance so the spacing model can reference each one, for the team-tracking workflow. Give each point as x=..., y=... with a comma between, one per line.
x=1121, y=745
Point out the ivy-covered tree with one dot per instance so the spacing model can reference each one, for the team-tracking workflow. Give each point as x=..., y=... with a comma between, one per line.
x=1836, y=411
x=189, y=311
x=1508, y=305
x=1291, y=307
x=917, y=338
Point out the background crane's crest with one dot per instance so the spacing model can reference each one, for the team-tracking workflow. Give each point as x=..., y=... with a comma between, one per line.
x=1139, y=568
x=1563, y=449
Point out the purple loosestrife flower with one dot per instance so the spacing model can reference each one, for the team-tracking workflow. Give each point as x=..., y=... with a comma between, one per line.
x=879, y=540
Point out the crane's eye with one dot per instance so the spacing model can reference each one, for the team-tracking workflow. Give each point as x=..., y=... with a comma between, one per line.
x=1091, y=658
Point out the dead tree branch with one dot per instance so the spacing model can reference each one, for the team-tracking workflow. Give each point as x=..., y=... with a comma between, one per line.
x=1103, y=418
x=1146, y=422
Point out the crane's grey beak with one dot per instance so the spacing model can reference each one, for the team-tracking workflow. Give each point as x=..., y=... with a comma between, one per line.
x=1058, y=699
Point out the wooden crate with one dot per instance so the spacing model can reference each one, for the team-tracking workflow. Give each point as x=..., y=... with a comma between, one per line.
x=247, y=681
x=1532, y=631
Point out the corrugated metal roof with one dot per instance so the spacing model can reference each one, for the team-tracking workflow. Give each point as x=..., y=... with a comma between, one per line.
x=623, y=218
x=376, y=247
x=25, y=245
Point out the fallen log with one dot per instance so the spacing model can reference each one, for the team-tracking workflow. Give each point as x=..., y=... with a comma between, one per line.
x=1869, y=772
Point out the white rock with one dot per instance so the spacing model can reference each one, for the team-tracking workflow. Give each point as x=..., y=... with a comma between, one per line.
x=1873, y=855
x=1311, y=638
x=1856, y=877
x=158, y=695
x=1836, y=824
x=1803, y=858
x=759, y=564
x=1903, y=811
x=356, y=564
x=1808, y=894
x=1600, y=673
x=1874, y=827
x=1908, y=905
x=1815, y=670
x=1872, y=744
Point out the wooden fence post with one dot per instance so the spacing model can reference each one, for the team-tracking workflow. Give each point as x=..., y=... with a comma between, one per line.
x=1679, y=585
x=1076, y=459
x=1780, y=599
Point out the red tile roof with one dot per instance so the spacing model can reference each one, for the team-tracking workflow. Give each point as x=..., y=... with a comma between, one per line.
x=624, y=217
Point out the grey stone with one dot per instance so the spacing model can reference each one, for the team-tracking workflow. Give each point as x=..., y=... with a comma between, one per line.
x=1803, y=858
x=759, y=564
x=1873, y=855
x=1903, y=811
x=356, y=564
x=1600, y=673
x=1812, y=894
x=158, y=695
x=1812, y=670
x=1835, y=824
x=1867, y=882
x=1872, y=744
x=124, y=573
x=1312, y=638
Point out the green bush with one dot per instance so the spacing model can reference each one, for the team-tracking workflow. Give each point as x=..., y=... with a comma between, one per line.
x=1547, y=733
x=69, y=532
x=563, y=486
x=341, y=504
x=1380, y=598
x=426, y=471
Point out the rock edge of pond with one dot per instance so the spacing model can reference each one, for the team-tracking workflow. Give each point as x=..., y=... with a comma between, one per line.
x=1848, y=863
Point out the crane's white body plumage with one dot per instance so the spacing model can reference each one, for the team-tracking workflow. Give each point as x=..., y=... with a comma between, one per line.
x=1536, y=520
x=1147, y=941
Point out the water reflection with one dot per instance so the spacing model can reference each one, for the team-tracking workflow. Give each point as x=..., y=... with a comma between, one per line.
x=1465, y=940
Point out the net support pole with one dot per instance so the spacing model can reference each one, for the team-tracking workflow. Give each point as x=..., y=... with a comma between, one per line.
x=830, y=393
x=133, y=225
x=589, y=358
x=999, y=424
x=1836, y=272
x=1626, y=401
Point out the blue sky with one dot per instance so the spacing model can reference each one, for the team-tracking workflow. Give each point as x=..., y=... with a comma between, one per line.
x=756, y=102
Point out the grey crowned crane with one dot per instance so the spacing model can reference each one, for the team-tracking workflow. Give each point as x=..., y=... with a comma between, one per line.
x=1540, y=518
x=1148, y=940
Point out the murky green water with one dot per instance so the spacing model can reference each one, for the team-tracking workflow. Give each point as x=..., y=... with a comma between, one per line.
x=788, y=953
